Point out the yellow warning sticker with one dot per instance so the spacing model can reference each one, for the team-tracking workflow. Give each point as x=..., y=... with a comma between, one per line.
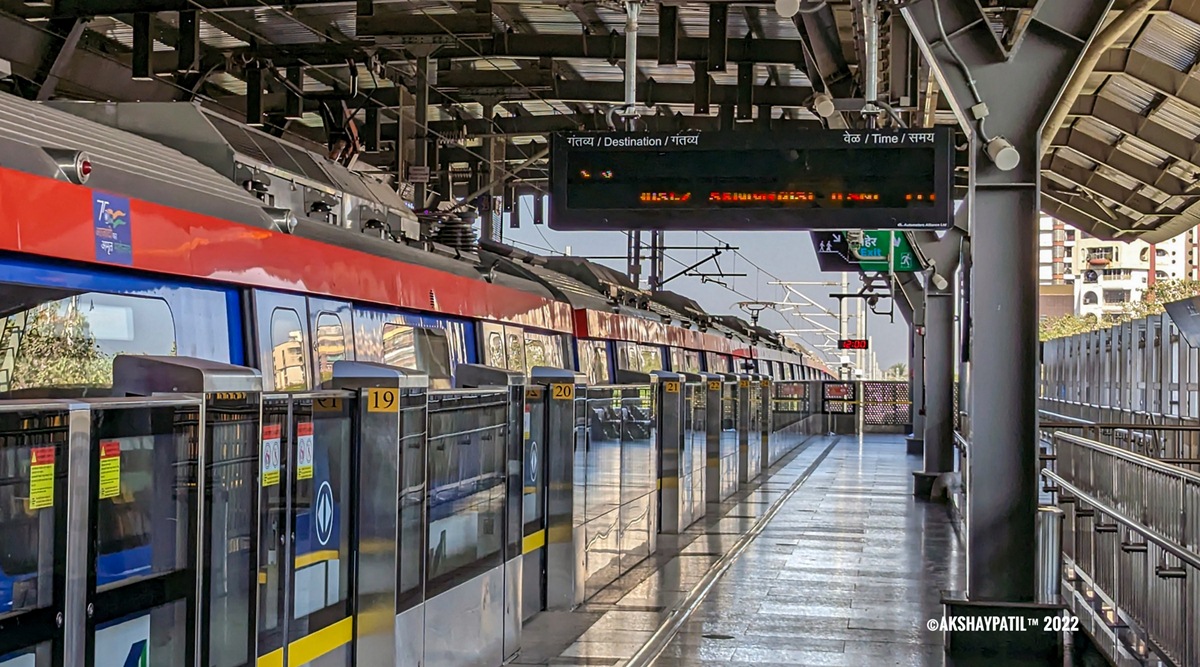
x=110, y=469
x=41, y=478
x=304, y=450
x=382, y=400
x=271, y=464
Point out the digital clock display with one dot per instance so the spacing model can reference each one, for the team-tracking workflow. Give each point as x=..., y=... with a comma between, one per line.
x=817, y=179
x=853, y=344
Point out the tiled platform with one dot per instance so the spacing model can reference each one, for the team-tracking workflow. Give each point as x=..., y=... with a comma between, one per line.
x=847, y=572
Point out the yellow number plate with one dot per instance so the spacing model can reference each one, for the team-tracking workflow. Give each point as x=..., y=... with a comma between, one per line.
x=562, y=391
x=534, y=394
x=744, y=384
x=327, y=405
x=383, y=400
x=766, y=383
x=671, y=387
x=714, y=385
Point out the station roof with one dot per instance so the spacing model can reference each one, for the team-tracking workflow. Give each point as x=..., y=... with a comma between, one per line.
x=1125, y=164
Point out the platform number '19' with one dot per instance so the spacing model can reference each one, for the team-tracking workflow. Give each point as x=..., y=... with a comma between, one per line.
x=381, y=400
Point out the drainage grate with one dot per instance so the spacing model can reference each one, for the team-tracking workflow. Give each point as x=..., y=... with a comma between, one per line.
x=716, y=635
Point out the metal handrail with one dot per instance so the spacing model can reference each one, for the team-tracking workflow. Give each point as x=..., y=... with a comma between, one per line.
x=1137, y=459
x=961, y=442
x=1167, y=544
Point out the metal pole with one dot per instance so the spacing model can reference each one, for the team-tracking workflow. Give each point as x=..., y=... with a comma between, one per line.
x=632, y=11
x=1004, y=407
x=421, y=147
x=871, y=37
x=939, y=381
x=1049, y=554
x=861, y=326
x=843, y=325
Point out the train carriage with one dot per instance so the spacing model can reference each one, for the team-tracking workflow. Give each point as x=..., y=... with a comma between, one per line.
x=176, y=238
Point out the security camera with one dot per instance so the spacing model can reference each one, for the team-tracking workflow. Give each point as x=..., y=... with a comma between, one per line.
x=1003, y=154
x=823, y=103
x=787, y=8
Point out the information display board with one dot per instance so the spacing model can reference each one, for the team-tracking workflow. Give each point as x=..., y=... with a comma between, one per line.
x=753, y=180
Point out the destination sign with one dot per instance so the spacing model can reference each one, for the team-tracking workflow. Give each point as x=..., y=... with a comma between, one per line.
x=753, y=180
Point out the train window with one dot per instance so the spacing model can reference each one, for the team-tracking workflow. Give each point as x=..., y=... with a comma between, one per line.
x=329, y=345
x=543, y=350
x=650, y=358
x=493, y=345
x=287, y=351
x=515, y=347
x=65, y=340
x=677, y=362
x=716, y=362
x=593, y=361
x=426, y=350
x=691, y=361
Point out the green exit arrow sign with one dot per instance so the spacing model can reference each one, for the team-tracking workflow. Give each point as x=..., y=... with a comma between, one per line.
x=878, y=246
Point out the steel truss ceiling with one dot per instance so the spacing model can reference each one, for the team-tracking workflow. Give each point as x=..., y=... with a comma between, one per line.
x=1126, y=163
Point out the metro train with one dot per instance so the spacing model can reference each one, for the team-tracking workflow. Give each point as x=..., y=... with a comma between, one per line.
x=156, y=229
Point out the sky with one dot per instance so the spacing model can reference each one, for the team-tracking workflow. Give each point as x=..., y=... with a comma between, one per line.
x=764, y=256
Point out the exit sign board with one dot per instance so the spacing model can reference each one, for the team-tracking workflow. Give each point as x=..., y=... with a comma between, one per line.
x=868, y=251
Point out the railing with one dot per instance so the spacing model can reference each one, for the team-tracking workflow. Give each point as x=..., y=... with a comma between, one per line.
x=1169, y=440
x=1131, y=545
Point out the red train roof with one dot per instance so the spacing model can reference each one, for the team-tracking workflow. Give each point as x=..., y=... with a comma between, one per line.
x=59, y=220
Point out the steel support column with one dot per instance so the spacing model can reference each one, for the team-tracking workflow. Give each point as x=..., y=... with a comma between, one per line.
x=912, y=307
x=916, y=366
x=1019, y=87
x=939, y=381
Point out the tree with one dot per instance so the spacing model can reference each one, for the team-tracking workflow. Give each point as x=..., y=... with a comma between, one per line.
x=1151, y=303
x=897, y=371
x=58, y=350
x=1068, y=325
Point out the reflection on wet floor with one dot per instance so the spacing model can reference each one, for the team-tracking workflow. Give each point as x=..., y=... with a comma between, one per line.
x=848, y=572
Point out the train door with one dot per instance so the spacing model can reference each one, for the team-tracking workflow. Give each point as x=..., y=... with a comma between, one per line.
x=33, y=530
x=305, y=532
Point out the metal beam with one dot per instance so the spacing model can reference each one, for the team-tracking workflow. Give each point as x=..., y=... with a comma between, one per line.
x=1160, y=77
x=668, y=35
x=59, y=50
x=87, y=75
x=1095, y=182
x=393, y=28
x=609, y=47
x=678, y=93
x=1127, y=121
x=1019, y=87
x=91, y=8
x=1111, y=155
x=718, y=42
